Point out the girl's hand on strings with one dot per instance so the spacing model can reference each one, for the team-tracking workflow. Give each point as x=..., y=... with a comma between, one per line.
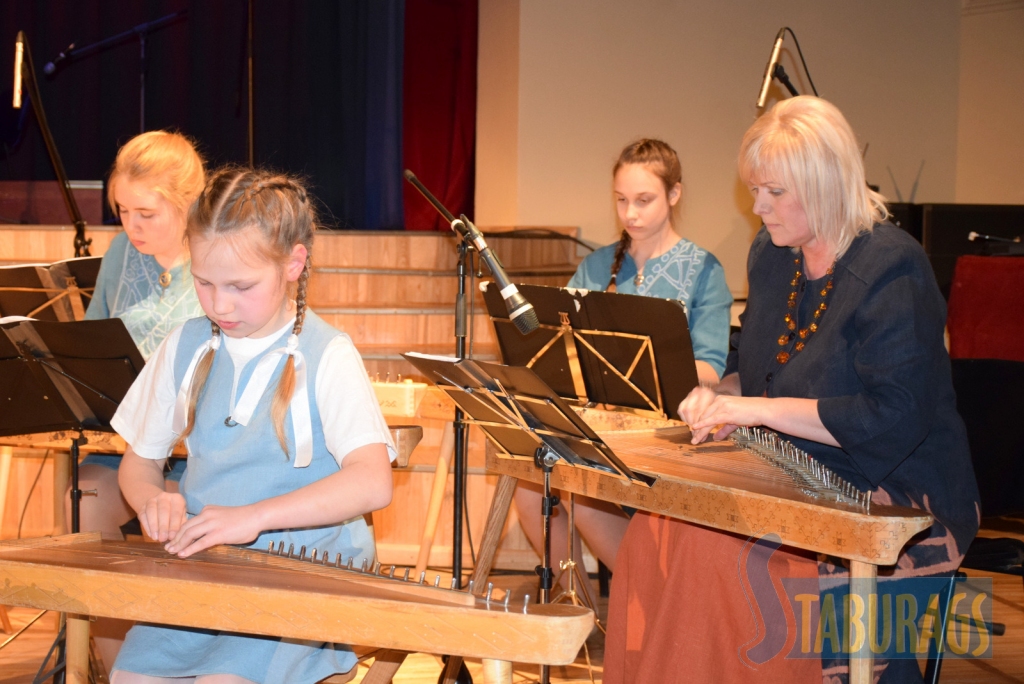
x=163, y=515
x=215, y=525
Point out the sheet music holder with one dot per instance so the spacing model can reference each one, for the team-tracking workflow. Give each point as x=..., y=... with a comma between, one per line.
x=520, y=414
x=49, y=292
x=601, y=347
x=64, y=376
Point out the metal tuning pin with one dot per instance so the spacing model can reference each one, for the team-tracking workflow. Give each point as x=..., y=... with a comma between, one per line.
x=490, y=590
x=508, y=597
x=470, y=588
x=455, y=583
x=391, y=574
x=327, y=557
x=291, y=550
x=302, y=553
x=423, y=577
x=270, y=549
x=312, y=558
x=376, y=567
x=405, y=577
x=337, y=561
x=362, y=566
x=350, y=559
x=437, y=581
x=526, y=602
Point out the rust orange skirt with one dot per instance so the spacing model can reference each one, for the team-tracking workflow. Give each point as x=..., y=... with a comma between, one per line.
x=684, y=607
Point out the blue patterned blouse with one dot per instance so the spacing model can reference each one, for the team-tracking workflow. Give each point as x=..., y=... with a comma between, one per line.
x=128, y=287
x=685, y=272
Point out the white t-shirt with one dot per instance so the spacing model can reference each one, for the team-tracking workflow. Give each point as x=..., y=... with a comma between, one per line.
x=348, y=407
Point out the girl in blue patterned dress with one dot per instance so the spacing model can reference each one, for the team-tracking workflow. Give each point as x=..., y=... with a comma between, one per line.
x=145, y=281
x=650, y=259
x=286, y=442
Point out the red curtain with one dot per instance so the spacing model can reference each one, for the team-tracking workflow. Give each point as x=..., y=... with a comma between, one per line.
x=439, y=108
x=984, y=309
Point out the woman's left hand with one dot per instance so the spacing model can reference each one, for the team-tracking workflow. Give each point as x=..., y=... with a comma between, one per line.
x=725, y=413
x=215, y=525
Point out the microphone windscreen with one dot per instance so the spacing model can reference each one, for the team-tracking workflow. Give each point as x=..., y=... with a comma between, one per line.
x=527, y=321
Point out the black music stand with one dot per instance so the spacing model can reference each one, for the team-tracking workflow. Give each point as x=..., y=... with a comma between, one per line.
x=618, y=350
x=525, y=419
x=49, y=292
x=64, y=376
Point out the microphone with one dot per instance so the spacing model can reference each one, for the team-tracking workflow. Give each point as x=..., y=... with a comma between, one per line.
x=520, y=311
x=973, y=237
x=769, y=71
x=19, y=57
x=52, y=66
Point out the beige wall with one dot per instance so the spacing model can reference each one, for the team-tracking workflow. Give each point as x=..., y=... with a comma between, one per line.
x=594, y=74
x=990, y=140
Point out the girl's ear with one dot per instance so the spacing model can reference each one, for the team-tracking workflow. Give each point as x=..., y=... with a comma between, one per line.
x=296, y=262
x=675, y=194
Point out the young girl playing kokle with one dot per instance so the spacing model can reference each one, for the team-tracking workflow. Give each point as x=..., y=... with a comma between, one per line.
x=285, y=439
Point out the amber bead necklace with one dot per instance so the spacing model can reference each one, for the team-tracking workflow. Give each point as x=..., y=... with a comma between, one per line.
x=804, y=334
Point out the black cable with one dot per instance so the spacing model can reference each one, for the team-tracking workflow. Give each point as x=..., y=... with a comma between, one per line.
x=534, y=232
x=24, y=508
x=802, y=60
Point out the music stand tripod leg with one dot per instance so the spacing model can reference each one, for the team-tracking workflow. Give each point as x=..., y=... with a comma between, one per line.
x=576, y=576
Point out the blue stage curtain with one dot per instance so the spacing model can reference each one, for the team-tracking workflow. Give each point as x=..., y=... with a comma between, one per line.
x=328, y=91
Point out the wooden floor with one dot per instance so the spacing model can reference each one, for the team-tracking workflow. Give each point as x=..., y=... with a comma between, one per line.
x=20, y=661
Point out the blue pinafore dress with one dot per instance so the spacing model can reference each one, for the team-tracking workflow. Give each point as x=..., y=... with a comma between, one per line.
x=236, y=466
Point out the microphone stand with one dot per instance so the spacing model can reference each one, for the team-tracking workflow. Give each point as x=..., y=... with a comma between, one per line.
x=28, y=77
x=141, y=31
x=459, y=425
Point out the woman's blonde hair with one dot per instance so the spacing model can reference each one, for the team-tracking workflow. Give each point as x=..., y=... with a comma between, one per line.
x=166, y=159
x=278, y=207
x=806, y=145
x=661, y=160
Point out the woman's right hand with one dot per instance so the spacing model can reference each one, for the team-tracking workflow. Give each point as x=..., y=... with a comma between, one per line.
x=694, y=407
x=163, y=515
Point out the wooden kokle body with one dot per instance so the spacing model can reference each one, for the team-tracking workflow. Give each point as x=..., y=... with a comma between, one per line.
x=731, y=488
x=254, y=592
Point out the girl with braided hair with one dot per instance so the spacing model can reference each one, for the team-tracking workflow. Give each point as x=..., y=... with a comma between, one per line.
x=286, y=442
x=650, y=259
